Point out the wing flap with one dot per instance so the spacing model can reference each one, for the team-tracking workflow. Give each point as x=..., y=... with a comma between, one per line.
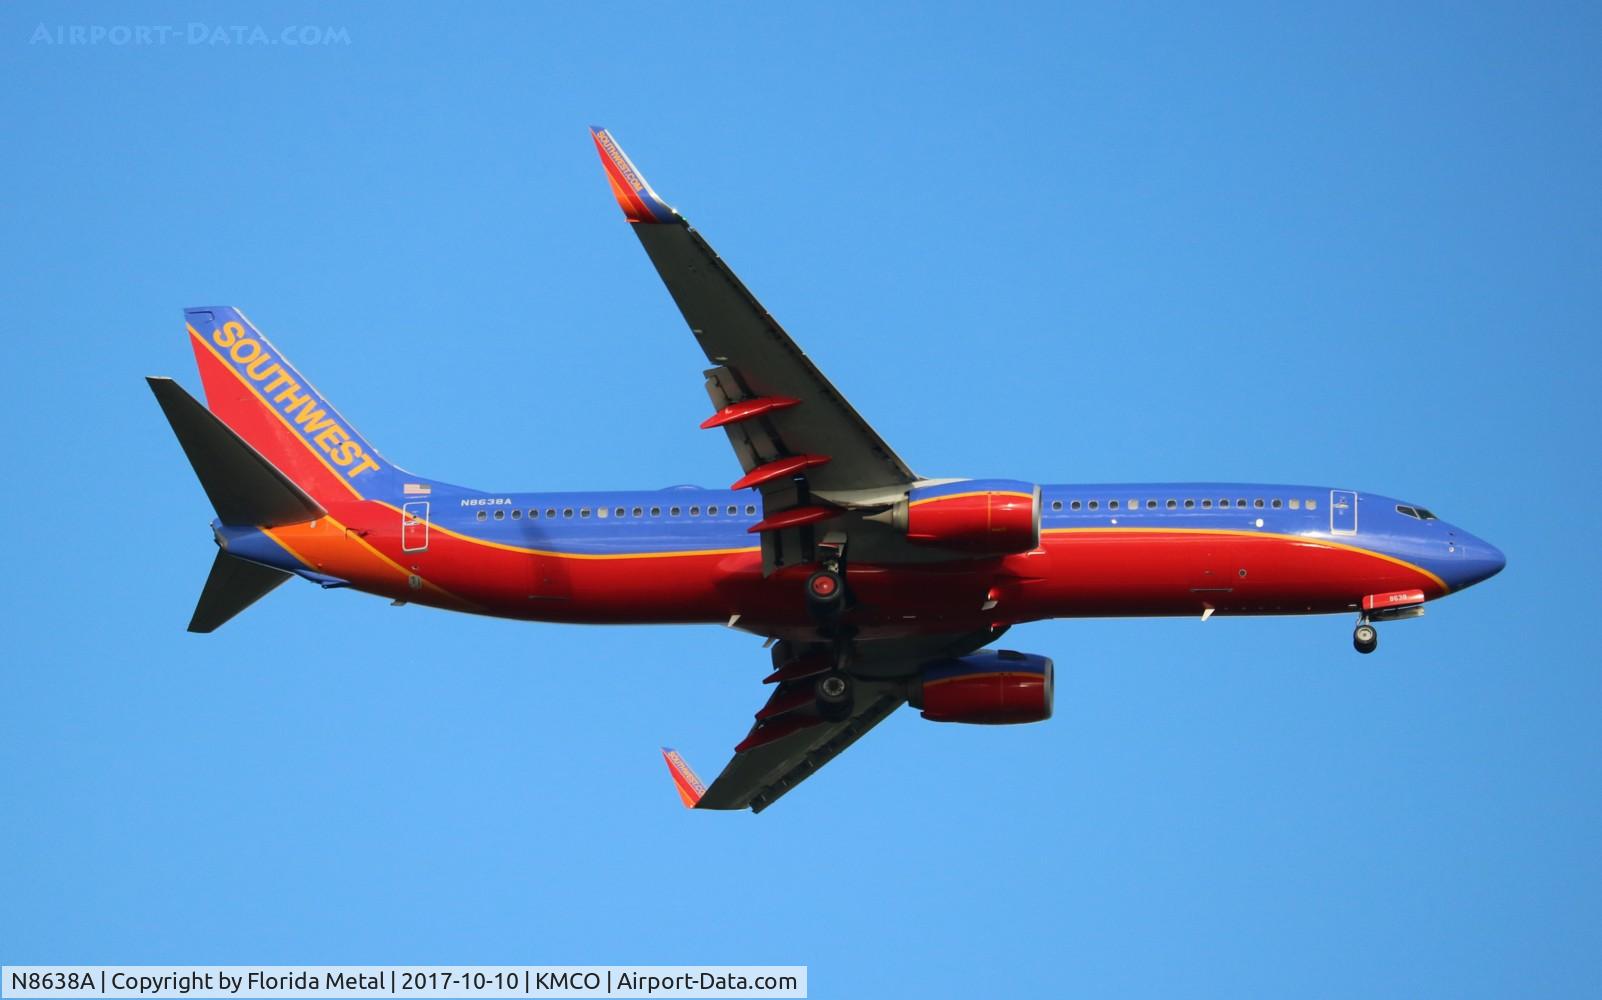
x=761, y=773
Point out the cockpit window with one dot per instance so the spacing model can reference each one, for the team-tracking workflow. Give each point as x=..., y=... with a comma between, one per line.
x=1426, y=515
x=1414, y=512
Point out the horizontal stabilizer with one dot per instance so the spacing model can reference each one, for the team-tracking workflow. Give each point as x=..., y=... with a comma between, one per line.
x=244, y=488
x=233, y=586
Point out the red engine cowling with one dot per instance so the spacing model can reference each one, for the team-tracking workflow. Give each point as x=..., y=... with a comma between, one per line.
x=990, y=518
x=995, y=687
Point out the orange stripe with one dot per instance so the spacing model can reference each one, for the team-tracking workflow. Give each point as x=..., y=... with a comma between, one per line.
x=313, y=539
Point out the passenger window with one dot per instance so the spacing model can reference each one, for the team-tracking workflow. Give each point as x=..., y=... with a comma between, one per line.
x=1240, y=503
x=1312, y=505
x=483, y=514
x=1171, y=504
x=1258, y=502
x=1092, y=505
x=567, y=511
x=1134, y=505
x=1056, y=505
x=1074, y=505
x=695, y=511
x=584, y=512
x=1189, y=504
x=516, y=513
x=1295, y=504
x=533, y=512
x=1207, y=505
x=600, y=512
x=750, y=510
x=1275, y=504
x=500, y=515
x=1113, y=505
x=674, y=511
x=711, y=510
x=1151, y=505
x=638, y=512
x=732, y=510
x=656, y=511
x=1223, y=503
x=550, y=512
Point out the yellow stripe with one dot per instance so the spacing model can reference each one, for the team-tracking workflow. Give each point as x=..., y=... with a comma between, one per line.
x=1304, y=539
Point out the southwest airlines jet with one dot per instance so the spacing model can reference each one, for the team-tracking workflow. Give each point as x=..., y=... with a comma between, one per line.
x=874, y=587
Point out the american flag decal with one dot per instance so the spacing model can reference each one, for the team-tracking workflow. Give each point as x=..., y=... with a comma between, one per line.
x=417, y=489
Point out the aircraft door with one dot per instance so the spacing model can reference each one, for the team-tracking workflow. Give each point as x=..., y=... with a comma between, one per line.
x=1342, y=512
x=414, y=526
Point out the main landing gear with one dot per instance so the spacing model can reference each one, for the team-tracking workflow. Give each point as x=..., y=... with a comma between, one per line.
x=827, y=601
x=835, y=694
x=826, y=588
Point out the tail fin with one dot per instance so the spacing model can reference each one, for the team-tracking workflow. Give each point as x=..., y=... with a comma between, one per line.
x=256, y=391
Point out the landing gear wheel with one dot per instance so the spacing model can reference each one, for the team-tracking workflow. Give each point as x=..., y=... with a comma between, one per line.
x=834, y=694
x=826, y=593
x=1365, y=638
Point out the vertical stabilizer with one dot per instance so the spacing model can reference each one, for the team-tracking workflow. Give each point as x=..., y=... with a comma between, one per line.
x=254, y=389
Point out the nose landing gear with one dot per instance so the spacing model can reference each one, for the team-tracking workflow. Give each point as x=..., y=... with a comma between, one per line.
x=1365, y=638
x=1392, y=607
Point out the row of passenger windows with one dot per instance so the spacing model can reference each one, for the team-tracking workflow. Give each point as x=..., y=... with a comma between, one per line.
x=1295, y=503
x=603, y=512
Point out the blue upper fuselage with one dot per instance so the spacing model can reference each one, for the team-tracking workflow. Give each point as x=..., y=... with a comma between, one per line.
x=688, y=518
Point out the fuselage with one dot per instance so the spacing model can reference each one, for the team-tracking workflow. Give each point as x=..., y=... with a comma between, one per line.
x=685, y=554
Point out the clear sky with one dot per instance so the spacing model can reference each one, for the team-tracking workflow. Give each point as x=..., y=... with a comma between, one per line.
x=1349, y=247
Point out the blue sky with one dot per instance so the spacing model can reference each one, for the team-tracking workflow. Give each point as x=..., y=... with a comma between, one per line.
x=1353, y=247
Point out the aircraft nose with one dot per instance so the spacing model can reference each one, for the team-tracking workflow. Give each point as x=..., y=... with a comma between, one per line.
x=1478, y=560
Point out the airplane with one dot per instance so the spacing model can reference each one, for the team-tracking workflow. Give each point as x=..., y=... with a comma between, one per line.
x=873, y=586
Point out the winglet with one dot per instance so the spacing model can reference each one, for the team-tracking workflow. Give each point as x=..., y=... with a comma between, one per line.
x=690, y=787
x=629, y=187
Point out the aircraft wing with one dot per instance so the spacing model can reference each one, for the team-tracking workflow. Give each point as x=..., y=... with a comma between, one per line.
x=793, y=432
x=786, y=746
x=790, y=741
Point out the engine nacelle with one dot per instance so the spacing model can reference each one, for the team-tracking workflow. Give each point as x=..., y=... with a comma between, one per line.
x=994, y=687
x=986, y=517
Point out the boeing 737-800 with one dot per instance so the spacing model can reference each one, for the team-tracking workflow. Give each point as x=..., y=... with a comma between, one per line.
x=875, y=587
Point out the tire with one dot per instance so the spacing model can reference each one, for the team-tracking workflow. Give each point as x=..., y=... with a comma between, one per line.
x=825, y=592
x=835, y=695
x=1365, y=639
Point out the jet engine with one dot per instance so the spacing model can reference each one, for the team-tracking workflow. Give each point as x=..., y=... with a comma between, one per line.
x=993, y=687
x=992, y=518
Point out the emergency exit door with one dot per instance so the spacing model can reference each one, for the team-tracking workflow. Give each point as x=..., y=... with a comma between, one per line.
x=414, y=526
x=1342, y=512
